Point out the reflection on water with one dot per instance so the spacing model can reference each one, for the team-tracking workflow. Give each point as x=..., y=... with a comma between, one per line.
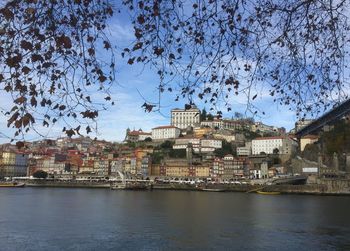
x=87, y=219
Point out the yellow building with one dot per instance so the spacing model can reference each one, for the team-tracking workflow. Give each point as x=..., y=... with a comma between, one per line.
x=200, y=132
x=155, y=170
x=202, y=171
x=308, y=139
x=8, y=158
x=176, y=171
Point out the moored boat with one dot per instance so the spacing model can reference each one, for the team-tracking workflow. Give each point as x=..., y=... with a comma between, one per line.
x=11, y=184
x=268, y=193
x=213, y=189
x=129, y=186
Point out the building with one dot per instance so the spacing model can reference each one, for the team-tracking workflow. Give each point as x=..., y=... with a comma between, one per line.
x=214, y=124
x=117, y=166
x=13, y=164
x=276, y=144
x=165, y=132
x=218, y=168
x=136, y=136
x=308, y=139
x=101, y=167
x=183, y=118
x=198, y=145
x=261, y=128
x=245, y=150
x=300, y=124
x=146, y=164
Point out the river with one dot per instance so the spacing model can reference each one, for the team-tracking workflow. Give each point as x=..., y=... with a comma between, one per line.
x=102, y=219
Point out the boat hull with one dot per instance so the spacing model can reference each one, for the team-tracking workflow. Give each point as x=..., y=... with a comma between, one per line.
x=268, y=193
x=11, y=185
x=213, y=190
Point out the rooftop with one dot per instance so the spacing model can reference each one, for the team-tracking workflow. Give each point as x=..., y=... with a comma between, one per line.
x=164, y=127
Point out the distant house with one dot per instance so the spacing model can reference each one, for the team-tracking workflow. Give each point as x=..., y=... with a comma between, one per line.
x=267, y=145
x=136, y=136
x=308, y=139
x=183, y=118
x=165, y=132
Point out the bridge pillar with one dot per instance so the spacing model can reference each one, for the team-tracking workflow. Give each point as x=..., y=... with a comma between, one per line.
x=320, y=164
x=347, y=163
x=335, y=162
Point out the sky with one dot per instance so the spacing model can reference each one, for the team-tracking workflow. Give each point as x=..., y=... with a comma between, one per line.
x=136, y=83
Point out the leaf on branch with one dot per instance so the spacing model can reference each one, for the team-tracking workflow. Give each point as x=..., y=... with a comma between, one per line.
x=20, y=100
x=63, y=41
x=148, y=107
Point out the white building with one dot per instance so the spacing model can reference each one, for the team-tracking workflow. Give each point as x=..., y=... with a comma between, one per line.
x=211, y=143
x=165, y=132
x=182, y=143
x=215, y=124
x=198, y=145
x=285, y=145
x=183, y=118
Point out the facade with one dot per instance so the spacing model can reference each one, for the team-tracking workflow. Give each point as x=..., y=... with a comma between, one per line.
x=300, y=124
x=198, y=145
x=14, y=164
x=245, y=150
x=183, y=118
x=218, y=168
x=101, y=167
x=308, y=139
x=214, y=124
x=262, y=128
x=202, y=171
x=146, y=166
x=136, y=136
x=117, y=166
x=284, y=145
x=165, y=132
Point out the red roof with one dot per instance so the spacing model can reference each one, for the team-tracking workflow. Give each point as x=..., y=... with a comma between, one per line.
x=164, y=127
x=310, y=137
x=136, y=133
x=272, y=137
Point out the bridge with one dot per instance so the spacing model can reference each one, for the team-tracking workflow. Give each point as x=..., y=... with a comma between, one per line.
x=333, y=115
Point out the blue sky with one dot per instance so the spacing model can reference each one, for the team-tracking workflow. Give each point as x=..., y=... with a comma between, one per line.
x=133, y=80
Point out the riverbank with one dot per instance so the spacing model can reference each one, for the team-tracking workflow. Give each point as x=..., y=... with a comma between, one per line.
x=322, y=188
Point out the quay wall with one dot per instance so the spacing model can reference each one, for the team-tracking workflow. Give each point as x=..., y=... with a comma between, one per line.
x=321, y=187
x=68, y=184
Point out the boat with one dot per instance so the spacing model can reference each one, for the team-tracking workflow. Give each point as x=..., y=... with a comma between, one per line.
x=213, y=189
x=268, y=193
x=11, y=184
x=129, y=186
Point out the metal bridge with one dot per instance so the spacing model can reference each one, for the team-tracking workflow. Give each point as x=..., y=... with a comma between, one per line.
x=333, y=115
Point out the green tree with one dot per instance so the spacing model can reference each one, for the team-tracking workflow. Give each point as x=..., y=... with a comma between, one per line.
x=167, y=144
x=210, y=117
x=311, y=152
x=51, y=49
x=203, y=115
x=51, y=57
x=148, y=139
x=177, y=153
x=276, y=151
x=227, y=148
x=40, y=174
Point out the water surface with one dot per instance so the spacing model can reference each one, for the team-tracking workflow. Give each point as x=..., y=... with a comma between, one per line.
x=98, y=219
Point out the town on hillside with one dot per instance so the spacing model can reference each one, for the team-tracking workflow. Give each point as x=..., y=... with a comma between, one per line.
x=195, y=145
